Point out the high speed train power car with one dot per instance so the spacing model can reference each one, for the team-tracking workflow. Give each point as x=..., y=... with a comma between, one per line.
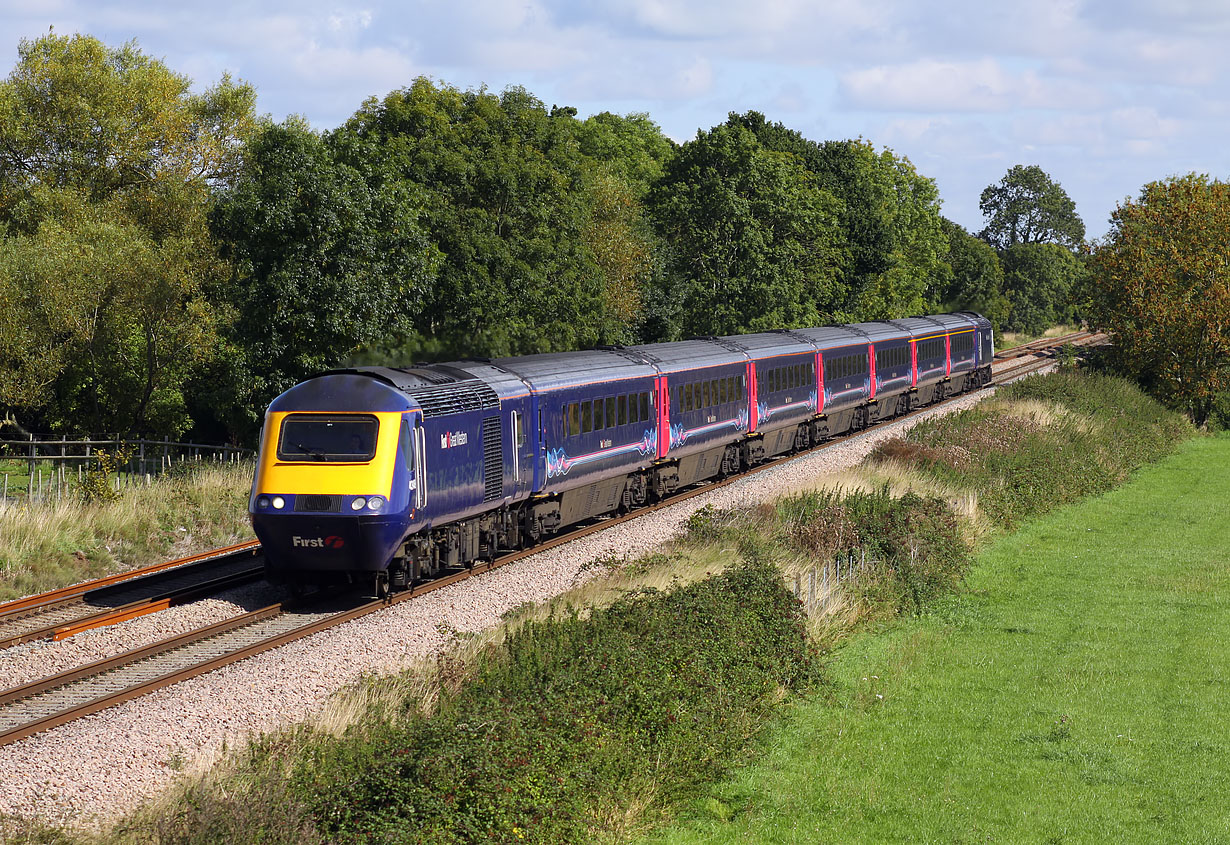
x=383, y=476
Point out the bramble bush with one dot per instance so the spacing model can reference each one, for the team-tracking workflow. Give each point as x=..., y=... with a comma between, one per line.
x=577, y=726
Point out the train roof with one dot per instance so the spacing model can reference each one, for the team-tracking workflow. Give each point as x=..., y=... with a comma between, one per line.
x=831, y=337
x=555, y=370
x=763, y=345
x=959, y=320
x=688, y=354
x=341, y=391
x=919, y=326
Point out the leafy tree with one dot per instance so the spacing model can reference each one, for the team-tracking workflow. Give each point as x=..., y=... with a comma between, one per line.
x=507, y=200
x=889, y=217
x=116, y=318
x=107, y=166
x=77, y=114
x=630, y=147
x=977, y=277
x=1028, y=207
x=754, y=244
x=1160, y=284
x=1040, y=281
x=324, y=261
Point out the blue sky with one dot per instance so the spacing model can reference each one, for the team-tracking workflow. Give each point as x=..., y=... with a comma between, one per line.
x=1105, y=95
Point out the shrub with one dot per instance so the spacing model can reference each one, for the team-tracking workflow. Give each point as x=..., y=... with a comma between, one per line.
x=575, y=727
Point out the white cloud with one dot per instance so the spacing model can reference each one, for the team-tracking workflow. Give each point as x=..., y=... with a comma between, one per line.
x=983, y=85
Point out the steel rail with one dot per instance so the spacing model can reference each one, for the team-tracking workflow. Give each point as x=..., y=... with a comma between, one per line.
x=27, y=620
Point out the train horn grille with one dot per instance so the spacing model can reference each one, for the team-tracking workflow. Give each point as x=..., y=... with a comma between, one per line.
x=318, y=504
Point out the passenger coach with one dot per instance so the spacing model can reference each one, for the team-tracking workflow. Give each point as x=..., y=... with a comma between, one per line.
x=384, y=475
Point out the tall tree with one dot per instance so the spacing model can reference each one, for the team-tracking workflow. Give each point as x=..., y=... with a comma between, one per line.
x=1028, y=207
x=889, y=216
x=977, y=277
x=1160, y=283
x=1040, y=281
x=506, y=199
x=107, y=166
x=754, y=243
x=324, y=262
x=77, y=114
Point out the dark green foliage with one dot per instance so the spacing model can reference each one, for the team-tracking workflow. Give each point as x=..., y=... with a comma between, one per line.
x=324, y=261
x=506, y=200
x=575, y=721
x=753, y=243
x=1040, y=280
x=1021, y=466
x=888, y=214
x=977, y=278
x=1028, y=207
x=913, y=543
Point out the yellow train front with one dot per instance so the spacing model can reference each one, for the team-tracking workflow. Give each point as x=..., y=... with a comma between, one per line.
x=333, y=495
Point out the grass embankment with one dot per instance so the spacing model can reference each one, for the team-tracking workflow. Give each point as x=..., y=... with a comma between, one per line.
x=1077, y=691
x=591, y=726
x=48, y=545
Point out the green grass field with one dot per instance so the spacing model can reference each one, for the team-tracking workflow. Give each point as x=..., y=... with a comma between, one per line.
x=1078, y=690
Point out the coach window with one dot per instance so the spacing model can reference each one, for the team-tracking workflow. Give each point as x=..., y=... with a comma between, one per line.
x=687, y=397
x=610, y=412
x=587, y=417
x=644, y=406
x=574, y=419
x=623, y=410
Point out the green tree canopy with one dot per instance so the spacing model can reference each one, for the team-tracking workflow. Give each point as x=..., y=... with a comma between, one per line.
x=77, y=114
x=754, y=243
x=107, y=166
x=509, y=200
x=977, y=277
x=1028, y=207
x=1160, y=284
x=889, y=216
x=1040, y=281
x=324, y=262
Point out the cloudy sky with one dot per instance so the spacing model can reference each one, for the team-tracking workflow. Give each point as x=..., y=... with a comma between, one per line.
x=1105, y=95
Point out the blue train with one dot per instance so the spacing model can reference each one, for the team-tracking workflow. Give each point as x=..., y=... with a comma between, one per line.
x=384, y=476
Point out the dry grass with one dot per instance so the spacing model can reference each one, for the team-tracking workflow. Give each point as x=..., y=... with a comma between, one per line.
x=44, y=546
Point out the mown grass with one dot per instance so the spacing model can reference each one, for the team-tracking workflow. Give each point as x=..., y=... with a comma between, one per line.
x=558, y=728
x=49, y=545
x=1076, y=691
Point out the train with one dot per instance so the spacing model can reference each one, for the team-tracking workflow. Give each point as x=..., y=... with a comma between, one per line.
x=385, y=476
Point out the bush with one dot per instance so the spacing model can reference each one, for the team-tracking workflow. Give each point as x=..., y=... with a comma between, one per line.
x=575, y=727
x=913, y=542
x=1042, y=442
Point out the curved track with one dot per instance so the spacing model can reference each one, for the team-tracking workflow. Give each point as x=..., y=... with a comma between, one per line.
x=61, y=698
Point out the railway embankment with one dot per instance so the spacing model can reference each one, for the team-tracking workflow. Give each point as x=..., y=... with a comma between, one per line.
x=598, y=722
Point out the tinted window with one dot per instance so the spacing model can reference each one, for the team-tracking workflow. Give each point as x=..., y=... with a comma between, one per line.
x=574, y=419
x=610, y=411
x=623, y=410
x=587, y=417
x=319, y=437
x=644, y=406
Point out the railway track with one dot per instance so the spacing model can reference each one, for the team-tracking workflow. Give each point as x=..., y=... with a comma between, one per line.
x=117, y=598
x=61, y=698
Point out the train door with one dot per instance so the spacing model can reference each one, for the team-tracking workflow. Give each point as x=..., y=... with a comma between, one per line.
x=413, y=455
x=662, y=398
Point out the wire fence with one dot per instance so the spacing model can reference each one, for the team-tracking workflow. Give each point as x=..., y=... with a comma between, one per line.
x=820, y=587
x=48, y=470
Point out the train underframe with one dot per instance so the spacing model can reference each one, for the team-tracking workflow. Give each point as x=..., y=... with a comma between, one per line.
x=461, y=544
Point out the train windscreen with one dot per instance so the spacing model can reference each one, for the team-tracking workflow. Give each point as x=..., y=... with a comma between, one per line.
x=317, y=437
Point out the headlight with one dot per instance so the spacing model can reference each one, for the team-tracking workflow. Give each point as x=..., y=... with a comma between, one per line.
x=358, y=504
x=262, y=502
x=278, y=502
x=375, y=502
